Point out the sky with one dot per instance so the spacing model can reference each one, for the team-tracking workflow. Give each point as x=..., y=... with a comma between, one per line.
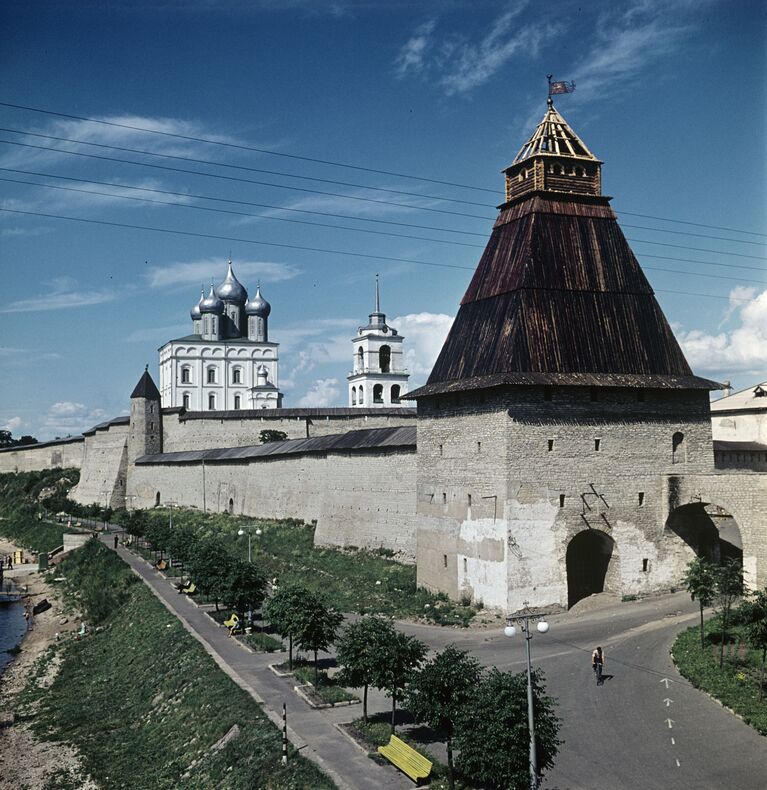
x=337, y=140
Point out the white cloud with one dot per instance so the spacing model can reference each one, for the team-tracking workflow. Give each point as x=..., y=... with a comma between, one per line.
x=424, y=335
x=12, y=424
x=742, y=349
x=193, y=273
x=411, y=56
x=69, y=417
x=62, y=293
x=459, y=64
x=324, y=392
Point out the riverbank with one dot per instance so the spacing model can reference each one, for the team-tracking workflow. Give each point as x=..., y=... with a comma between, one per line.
x=25, y=759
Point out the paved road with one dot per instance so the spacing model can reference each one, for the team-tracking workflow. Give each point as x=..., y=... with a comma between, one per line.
x=616, y=736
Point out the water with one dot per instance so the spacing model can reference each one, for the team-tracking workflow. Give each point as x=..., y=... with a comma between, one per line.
x=12, y=629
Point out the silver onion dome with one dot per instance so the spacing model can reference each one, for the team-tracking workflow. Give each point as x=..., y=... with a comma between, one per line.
x=231, y=289
x=211, y=303
x=258, y=305
x=195, y=312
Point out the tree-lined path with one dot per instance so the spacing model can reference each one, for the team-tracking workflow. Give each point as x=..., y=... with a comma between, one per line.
x=645, y=728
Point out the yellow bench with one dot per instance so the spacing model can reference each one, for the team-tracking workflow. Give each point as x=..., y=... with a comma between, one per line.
x=407, y=759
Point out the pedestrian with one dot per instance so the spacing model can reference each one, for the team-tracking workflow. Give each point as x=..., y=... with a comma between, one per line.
x=26, y=617
x=115, y=542
x=597, y=663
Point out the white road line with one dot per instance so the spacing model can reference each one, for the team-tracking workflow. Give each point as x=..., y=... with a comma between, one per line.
x=673, y=742
x=678, y=764
x=670, y=723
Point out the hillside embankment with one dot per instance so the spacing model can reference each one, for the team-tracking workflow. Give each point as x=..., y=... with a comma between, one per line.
x=135, y=702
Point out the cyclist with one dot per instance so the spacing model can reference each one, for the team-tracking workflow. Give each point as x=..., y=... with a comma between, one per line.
x=597, y=663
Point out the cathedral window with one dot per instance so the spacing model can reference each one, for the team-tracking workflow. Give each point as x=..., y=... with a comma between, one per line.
x=395, y=391
x=384, y=359
x=237, y=376
x=362, y=395
x=354, y=396
x=360, y=360
x=186, y=401
x=237, y=401
x=186, y=375
x=378, y=393
x=211, y=402
x=211, y=375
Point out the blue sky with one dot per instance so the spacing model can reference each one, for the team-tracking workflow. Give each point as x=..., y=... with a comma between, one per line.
x=670, y=95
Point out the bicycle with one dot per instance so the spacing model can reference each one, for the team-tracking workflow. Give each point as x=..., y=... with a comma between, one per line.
x=598, y=672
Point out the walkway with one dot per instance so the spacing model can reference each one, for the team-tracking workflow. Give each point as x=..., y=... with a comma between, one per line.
x=311, y=731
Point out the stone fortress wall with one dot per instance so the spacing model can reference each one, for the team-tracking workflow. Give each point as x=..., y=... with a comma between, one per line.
x=45, y=455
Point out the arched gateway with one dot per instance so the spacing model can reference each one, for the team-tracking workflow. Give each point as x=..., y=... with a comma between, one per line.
x=589, y=557
x=705, y=530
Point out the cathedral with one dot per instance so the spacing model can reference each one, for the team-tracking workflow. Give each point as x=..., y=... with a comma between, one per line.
x=228, y=362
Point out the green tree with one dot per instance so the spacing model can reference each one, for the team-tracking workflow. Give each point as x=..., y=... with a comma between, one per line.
x=438, y=693
x=317, y=627
x=393, y=665
x=754, y=615
x=246, y=586
x=270, y=435
x=356, y=650
x=283, y=610
x=700, y=581
x=492, y=733
x=182, y=542
x=729, y=587
x=210, y=568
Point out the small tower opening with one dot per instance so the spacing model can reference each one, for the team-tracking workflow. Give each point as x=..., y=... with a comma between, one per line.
x=384, y=359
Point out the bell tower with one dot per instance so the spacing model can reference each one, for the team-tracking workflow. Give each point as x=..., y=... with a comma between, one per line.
x=378, y=378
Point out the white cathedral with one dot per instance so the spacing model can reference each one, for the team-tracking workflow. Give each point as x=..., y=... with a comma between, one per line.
x=228, y=362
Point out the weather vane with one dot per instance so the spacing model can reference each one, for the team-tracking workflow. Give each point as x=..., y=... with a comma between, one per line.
x=558, y=87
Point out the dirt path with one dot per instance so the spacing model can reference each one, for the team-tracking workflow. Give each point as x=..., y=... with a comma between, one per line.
x=27, y=763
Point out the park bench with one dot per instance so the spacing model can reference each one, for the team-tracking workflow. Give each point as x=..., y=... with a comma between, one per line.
x=407, y=759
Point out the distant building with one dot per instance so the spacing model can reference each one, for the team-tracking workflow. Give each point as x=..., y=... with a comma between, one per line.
x=741, y=416
x=378, y=378
x=228, y=362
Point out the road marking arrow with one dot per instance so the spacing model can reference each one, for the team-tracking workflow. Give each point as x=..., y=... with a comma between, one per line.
x=668, y=701
x=670, y=723
x=666, y=681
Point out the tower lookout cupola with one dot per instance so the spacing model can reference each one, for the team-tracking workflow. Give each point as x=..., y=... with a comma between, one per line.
x=554, y=159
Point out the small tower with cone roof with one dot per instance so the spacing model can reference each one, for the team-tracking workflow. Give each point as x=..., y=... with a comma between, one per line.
x=378, y=378
x=145, y=436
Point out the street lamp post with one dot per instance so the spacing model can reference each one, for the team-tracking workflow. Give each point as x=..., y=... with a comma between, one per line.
x=523, y=620
x=241, y=531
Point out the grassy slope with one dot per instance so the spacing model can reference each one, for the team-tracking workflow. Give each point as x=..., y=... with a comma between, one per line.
x=351, y=581
x=143, y=701
x=735, y=685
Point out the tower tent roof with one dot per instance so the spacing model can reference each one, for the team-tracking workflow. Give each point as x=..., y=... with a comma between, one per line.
x=554, y=136
x=558, y=297
x=146, y=388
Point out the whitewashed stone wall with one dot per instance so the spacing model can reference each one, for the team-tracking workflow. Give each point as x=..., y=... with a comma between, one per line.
x=361, y=498
x=48, y=456
x=104, y=468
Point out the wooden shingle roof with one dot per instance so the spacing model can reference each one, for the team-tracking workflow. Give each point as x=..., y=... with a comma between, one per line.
x=558, y=297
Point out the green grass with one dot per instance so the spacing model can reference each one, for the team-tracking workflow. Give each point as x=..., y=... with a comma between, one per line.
x=262, y=642
x=351, y=581
x=736, y=685
x=325, y=687
x=144, y=703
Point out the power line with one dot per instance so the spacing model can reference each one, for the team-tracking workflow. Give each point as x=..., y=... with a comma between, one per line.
x=330, y=181
x=111, y=195
x=687, y=222
x=242, y=167
x=334, y=194
x=246, y=148
x=243, y=180
x=296, y=246
x=242, y=202
x=236, y=213
x=332, y=163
